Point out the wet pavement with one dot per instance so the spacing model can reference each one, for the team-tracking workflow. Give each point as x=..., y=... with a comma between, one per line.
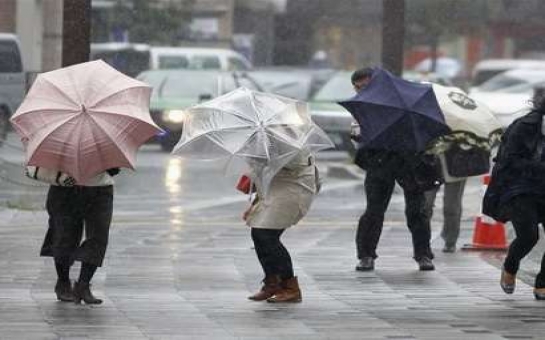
x=180, y=265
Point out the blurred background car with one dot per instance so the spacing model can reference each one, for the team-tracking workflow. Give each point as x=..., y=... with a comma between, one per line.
x=12, y=80
x=509, y=94
x=489, y=68
x=445, y=67
x=294, y=82
x=176, y=90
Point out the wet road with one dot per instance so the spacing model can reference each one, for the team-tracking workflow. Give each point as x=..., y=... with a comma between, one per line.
x=180, y=265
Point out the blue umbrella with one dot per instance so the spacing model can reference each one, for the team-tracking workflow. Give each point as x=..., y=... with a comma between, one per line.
x=396, y=114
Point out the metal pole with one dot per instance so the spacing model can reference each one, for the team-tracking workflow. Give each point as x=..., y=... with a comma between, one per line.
x=76, y=31
x=393, y=35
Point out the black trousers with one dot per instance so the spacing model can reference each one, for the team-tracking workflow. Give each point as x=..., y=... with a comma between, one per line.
x=527, y=212
x=74, y=211
x=379, y=187
x=271, y=253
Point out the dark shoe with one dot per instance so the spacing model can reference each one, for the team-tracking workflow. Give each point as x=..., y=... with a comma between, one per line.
x=425, y=264
x=290, y=292
x=366, y=264
x=449, y=249
x=63, y=289
x=539, y=293
x=82, y=291
x=271, y=285
x=508, y=282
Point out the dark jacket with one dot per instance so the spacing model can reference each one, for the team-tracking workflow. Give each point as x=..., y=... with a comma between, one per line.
x=414, y=171
x=518, y=169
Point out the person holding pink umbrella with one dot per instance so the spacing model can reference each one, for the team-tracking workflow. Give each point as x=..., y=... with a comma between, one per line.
x=73, y=208
x=79, y=125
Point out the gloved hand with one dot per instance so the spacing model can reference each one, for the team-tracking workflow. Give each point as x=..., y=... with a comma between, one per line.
x=67, y=181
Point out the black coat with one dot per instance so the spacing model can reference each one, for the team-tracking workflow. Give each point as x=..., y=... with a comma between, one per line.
x=517, y=170
x=414, y=171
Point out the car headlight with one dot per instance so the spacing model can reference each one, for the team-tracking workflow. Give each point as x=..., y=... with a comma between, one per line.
x=174, y=116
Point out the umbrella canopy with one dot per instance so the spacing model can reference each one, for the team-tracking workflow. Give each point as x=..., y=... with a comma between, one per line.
x=463, y=113
x=251, y=129
x=84, y=119
x=396, y=114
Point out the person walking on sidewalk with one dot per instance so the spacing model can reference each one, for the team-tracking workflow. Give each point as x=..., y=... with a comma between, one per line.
x=520, y=174
x=288, y=199
x=383, y=169
x=75, y=210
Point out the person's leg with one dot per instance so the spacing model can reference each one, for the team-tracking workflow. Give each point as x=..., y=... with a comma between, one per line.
x=430, y=195
x=98, y=217
x=419, y=227
x=524, y=217
x=63, y=236
x=540, y=278
x=452, y=212
x=378, y=191
x=267, y=245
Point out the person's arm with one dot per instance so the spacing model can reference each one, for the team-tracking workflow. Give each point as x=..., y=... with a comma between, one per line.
x=49, y=176
x=515, y=154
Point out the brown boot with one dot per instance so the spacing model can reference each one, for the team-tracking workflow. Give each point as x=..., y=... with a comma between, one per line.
x=271, y=285
x=290, y=292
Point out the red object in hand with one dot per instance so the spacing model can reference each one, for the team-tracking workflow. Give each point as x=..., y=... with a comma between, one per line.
x=244, y=184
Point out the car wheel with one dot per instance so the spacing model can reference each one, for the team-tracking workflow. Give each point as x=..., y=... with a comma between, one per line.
x=4, y=125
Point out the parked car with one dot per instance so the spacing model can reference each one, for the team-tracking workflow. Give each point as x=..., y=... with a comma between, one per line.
x=508, y=94
x=12, y=80
x=489, y=68
x=176, y=90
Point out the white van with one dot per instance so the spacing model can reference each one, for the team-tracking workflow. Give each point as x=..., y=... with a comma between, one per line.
x=197, y=58
x=12, y=80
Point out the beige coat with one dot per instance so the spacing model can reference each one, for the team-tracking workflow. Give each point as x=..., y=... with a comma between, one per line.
x=289, y=197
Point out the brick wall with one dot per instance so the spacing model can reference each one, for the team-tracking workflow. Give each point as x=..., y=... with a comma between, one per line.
x=7, y=15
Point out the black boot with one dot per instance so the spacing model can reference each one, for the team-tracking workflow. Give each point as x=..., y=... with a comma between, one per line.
x=64, y=292
x=82, y=291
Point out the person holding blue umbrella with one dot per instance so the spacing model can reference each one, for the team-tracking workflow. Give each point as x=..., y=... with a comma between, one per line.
x=397, y=119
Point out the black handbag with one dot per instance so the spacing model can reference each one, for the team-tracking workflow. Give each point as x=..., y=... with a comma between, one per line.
x=466, y=162
x=422, y=173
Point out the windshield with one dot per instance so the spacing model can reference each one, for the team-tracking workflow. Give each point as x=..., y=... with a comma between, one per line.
x=501, y=81
x=184, y=85
x=336, y=89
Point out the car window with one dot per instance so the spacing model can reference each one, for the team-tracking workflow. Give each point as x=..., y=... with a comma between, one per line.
x=500, y=81
x=205, y=63
x=184, y=85
x=173, y=62
x=10, y=59
x=235, y=64
x=337, y=88
x=527, y=88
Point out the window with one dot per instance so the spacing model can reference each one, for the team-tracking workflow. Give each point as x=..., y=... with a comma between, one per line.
x=10, y=59
x=173, y=62
x=205, y=63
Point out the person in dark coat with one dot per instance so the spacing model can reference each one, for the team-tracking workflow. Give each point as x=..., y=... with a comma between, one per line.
x=76, y=212
x=522, y=172
x=383, y=169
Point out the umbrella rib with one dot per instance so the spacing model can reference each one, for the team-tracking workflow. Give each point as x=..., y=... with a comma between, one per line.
x=196, y=138
x=234, y=113
x=112, y=139
x=60, y=91
x=116, y=93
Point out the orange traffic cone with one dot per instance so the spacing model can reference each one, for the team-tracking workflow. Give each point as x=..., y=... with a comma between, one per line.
x=488, y=234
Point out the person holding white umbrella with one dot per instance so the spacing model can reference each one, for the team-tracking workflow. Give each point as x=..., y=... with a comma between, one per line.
x=473, y=126
x=272, y=139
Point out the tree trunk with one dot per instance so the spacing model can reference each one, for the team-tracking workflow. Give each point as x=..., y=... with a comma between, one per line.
x=393, y=35
x=76, y=31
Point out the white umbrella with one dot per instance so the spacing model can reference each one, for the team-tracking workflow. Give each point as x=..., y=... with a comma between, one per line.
x=251, y=129
x=463, y=113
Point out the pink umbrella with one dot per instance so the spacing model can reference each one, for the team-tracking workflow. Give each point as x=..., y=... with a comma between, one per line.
x=84, y=119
